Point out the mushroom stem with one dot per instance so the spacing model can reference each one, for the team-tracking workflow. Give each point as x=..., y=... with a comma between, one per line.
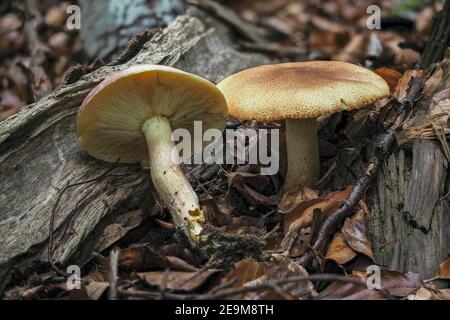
x=170, y=181
x=302, y=152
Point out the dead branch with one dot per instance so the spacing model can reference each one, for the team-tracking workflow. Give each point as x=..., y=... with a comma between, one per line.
x=271, y=285
x=439, y=39
x=246, y=29
x=113, y=275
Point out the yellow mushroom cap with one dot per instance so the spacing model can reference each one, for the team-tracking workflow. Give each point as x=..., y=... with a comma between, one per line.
x=110, y=119
x=300, y=90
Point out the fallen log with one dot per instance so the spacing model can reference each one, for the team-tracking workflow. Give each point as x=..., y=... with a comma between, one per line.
x=46, y=176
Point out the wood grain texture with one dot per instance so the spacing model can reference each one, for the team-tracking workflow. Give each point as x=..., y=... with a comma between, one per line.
x=426, y=185
x=39, y=154
x=399, y=241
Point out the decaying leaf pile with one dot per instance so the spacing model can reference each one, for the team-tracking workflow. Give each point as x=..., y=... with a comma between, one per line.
x=257, y=235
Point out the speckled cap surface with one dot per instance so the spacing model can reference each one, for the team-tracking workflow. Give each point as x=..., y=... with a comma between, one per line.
x=300, y=90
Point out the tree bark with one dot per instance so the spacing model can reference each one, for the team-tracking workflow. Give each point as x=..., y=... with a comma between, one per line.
x=410, y=217
x=45, y=172
x=107, y=24
x=439, y=39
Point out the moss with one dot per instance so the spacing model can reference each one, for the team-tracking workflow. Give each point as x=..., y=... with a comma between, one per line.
x=409, y=6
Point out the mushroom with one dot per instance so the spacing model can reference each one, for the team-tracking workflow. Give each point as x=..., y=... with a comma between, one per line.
x=129, y=118
x=299, y=93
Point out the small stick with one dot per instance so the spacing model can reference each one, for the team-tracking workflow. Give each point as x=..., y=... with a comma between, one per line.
x=113, y=274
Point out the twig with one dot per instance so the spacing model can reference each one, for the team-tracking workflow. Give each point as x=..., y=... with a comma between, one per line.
x=133, y=47
x=269, y=285
x=271, y=232
x=275, y=50
x=41, y=83
x=439, y=38
x=113, y=274
x=384, y=142
x=246, y=29
x=222, y=291
x=191, y=278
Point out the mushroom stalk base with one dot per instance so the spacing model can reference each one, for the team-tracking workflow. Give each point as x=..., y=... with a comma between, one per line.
x=170, y=181
x=303, y=167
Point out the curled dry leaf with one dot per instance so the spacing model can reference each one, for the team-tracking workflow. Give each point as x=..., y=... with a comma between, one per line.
x=95, y=290
x=244, y=272
x=434, y=81
x=251, y=273
x=424, y=21
x=423, y=294
x=339, y=251
x=349, y=291
x=356, y=234
x=286, y=268
x=355, y=50
x=399, y=284
x=143, y=258
x=406, y=58
x=444, y=270
x=403, y=84
x=10, y=104
x=393, y=285
x=250, y=187
x=165, y=224
x=444, y=294
x=391, y=76
x=302, y=216
x=294, y=198
x=177, y=280
x=55, y=17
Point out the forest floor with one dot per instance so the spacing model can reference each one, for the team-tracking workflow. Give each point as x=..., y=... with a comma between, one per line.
x=262, y=243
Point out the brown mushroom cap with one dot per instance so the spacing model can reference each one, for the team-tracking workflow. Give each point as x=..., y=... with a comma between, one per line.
x=300, y=90
x=110, y=120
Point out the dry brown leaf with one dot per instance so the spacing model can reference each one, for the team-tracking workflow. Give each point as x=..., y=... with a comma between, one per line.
x=423, y=294
x=440, y=105
x=302, y=217
x=393, y=283
x=245, y=271
x=355, y=50
x=424, y=21
x=444, y=294
x=95, y=290
x=10, y=104
x=444, y=270
x=143, y=258
x=349, y=291
x=181, y=265
x=165, y=224
x=285, y=268
x=339, y=251
x=295, y=197
x=177, y=280
x=403, y=84
x=242, y=181
x=391, y=76
x=434, y=81
x=356, y=234
x=400, y=284
x=406, y=58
